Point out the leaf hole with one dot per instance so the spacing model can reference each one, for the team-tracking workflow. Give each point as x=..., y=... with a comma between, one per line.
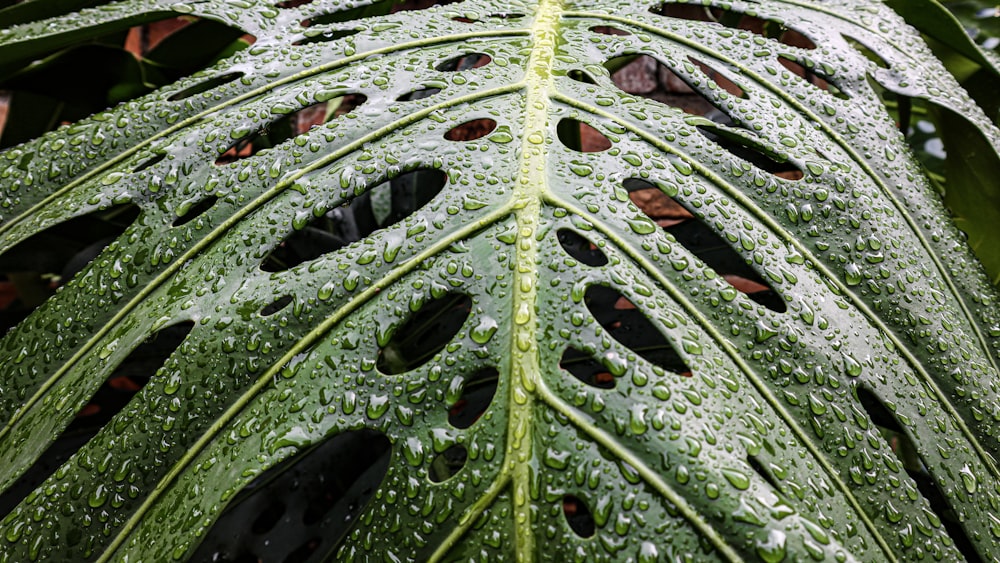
x=447, y=464
x=371, y=9
x=646, y=76
x=736, y=20
x=418, y=94
x=289, y=125
x=127, y=379
x=332, y=495
x=205, y=86
x=864, y=50
x=165, y=47
x=720, y=80
x=477, y=394
x=465, y=62
x=47, y=259
x=150, y=162
x=580, y=248
x=277, y=305
x=578, y=516
x=427, y=331
x=324, y=36
x=812, y=77
x=581, y=76
x=506, y=16
x=703, y=242
x=268, y=518
x=380, y=207
x=463, y=19
x=609, y=30
x=764, y=472
x=753, y=151
x=664, y=210
x=904, y=448
x=188, y=212
x=631, y=328
x=292, y=4
x=585, y=368
x=471, y=130
x=579, y=136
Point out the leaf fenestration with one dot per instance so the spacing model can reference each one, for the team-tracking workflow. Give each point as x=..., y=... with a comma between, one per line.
x=478, y=290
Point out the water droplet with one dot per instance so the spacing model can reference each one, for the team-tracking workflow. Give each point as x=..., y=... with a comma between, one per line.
x=968, y=479
x=413, y=451
x=377, y=405
x=772, y=551
x=485, y=330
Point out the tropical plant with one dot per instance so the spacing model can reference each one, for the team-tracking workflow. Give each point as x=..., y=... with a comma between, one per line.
x=494, y=307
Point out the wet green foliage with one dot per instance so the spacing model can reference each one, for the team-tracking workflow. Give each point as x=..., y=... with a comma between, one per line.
x=456, y=271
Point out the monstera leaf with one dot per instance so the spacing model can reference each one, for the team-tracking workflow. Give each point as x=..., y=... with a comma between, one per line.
x=492, y=306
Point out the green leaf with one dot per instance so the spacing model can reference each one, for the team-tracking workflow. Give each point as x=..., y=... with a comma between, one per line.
x=584, y=325
x=13, y=12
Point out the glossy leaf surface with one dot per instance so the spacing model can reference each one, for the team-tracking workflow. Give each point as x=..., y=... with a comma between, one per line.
x=462, y=232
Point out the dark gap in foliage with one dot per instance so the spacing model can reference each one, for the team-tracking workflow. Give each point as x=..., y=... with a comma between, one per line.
x=192, y=212
x=864, y=50
x=810, y=75
x=756, y=153
x=905, y=449
x=419, y=94
x=578, y=516
x=447, y=464
x=581, y=76
x=579, y=136
x=324, y=36
x=577, y=246
x=477, y=394
x=377, y=8
x=47, y=259
x=609, y=30
x=736, y=20
x=464, y=62
x=471, y=130
x=669, y=88
x=320, y=497
x=303, y=552
x=379, y=207
x=704, y=242
x=764, y=472
x=149, y=162
x=585, y=368
x=904, y=106
x=292, y=4
x=631, y=328
x=127, y=379
x=268, y=517
x=719, y=79
x=206, y=85
x=277, y=305
x=183, y=45
x=289, y=125
x=425, y=333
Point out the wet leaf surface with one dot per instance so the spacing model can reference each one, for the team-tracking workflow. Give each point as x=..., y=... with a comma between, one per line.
x=569, y=320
